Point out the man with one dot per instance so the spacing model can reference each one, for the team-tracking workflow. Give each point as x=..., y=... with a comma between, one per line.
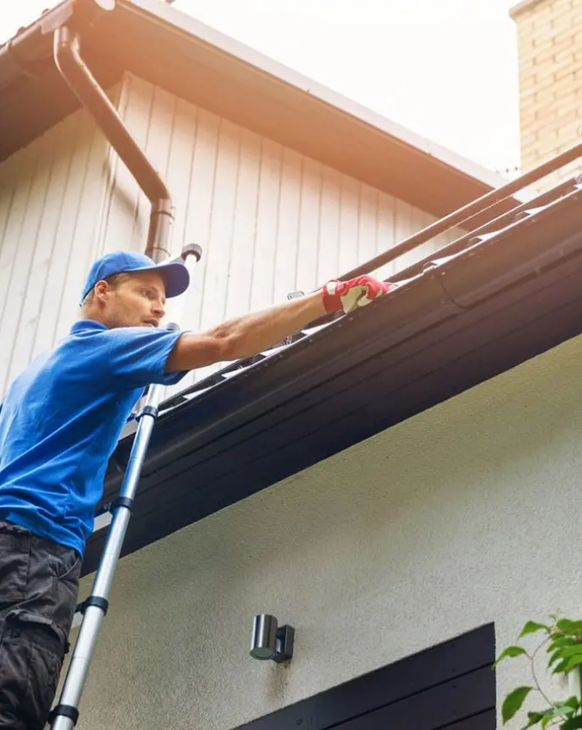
x=59, y=424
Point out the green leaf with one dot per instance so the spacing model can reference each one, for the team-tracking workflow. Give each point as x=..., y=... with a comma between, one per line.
x=572, y=723
x=568, y=651
x=531, y=627
x=561, y=666
x=535, y=717
x=561, y=642
x=563, y=708
x=566, y=626
x=575, y=661
x=548, y=717
x=513, y=702
x=511, y=651
x=532, y=721
x=573, y=701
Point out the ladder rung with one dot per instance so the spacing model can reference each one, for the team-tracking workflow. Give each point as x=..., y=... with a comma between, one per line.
x=101, y=521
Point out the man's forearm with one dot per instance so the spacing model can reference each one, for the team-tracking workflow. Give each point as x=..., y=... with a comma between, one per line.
x=255, y=332
x=252, y=333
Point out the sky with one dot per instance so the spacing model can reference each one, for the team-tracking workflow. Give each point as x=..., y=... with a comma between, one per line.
x=446, y=69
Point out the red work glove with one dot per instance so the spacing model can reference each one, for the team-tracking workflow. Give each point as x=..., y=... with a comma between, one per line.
x=347, y=295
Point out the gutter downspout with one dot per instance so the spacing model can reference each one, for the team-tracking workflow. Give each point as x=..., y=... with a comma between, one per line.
x=80, y=80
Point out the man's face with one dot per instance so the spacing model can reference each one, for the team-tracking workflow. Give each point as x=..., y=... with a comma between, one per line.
x=136, y=301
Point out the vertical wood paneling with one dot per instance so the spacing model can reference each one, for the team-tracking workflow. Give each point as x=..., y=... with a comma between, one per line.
x=40, y=243
x=287, y=241
x=19, y=173
x=199, y=206
x=386, y=231
x=77, y=237
x=368, y=223
x=239, y=268
x=21, y=286
x=349, y=223
x=263, y=257
x=51, y=195
x=123, y=197
x=328, y=264
x=220, y=237
x=270, y=220
x=157, y=143
x=309, y=225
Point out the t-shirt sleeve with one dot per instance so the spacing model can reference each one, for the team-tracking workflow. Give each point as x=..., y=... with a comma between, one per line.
x=137, y=356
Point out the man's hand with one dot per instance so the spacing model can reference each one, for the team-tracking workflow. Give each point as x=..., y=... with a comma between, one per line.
x=348, y=295
x=252, y=333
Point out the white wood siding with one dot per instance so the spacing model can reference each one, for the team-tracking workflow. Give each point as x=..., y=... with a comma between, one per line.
x=270, y=220
x=50, y=204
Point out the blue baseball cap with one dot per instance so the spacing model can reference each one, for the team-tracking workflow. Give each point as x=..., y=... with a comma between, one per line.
x=174, y=273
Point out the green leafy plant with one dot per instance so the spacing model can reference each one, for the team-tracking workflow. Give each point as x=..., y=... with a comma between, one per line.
x=562, y=639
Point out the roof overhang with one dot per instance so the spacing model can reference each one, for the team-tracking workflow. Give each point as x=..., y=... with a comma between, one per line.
x=510, y=296
x=209, y=69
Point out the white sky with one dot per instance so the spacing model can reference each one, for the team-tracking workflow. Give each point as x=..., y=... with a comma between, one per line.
x=446, y=69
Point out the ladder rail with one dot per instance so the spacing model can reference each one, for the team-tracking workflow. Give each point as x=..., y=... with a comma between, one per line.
x=65, y=715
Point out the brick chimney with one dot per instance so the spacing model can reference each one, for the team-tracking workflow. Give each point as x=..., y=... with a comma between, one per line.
x=549, y=36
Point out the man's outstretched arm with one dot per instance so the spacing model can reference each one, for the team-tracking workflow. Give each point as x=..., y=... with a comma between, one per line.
x=252, y=333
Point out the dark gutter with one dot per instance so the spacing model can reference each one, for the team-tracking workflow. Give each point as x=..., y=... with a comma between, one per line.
x=94, y=99
x=469, y=318
x=25, y=55
x=444, y=290
x=67, y=22
x=470, y=212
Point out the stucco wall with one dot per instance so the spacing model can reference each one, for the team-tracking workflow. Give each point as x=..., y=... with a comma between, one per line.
x=462, y=515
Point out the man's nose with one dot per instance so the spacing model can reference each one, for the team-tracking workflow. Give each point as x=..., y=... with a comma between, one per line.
x=159, y=309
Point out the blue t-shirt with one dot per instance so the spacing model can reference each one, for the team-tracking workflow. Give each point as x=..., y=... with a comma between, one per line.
x=61, y=420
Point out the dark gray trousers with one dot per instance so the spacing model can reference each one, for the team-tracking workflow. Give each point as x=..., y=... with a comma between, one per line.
x=39, y=581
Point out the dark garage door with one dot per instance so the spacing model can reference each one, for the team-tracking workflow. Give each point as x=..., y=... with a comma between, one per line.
x=447, y=687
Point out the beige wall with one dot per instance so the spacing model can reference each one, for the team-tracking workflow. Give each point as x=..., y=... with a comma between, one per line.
x=461, y=515
x=550, y=67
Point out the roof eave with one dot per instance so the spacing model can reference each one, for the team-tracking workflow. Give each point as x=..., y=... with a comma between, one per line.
x=202, y=33
x=212, y=70
x=506, y=300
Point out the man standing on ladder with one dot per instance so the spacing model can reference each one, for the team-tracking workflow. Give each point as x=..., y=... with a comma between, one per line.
x=59, y=425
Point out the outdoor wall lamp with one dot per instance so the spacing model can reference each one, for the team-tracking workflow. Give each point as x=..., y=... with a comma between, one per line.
x=269, y=641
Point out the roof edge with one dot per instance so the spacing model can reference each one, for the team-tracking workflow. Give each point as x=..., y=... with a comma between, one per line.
x=181, y=22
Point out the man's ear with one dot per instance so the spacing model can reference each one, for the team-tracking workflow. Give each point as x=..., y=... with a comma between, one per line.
x=101, y=290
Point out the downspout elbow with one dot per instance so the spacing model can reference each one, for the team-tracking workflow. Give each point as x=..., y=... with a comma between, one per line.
x=82, y=83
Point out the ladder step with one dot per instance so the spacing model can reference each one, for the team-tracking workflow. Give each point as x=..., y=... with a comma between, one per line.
x=101, y=521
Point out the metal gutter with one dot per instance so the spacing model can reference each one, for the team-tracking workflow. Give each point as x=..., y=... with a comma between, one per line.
x=85, y=87
x=67, y=22
x=474, y=316
x=22, y=51
x=448, y=288
x=471, y=212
